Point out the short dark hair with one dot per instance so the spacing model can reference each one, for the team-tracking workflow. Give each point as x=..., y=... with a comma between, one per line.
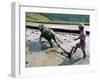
x=41, y=27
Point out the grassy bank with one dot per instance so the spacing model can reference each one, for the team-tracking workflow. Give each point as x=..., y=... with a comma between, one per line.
x=50, y=18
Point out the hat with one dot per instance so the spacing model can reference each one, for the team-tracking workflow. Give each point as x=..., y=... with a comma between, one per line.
x=81, y=25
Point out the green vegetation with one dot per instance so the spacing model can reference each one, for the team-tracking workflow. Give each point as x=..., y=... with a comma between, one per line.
x=51, y=18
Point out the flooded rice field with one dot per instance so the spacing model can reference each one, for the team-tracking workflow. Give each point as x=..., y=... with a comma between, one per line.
x=40, y=54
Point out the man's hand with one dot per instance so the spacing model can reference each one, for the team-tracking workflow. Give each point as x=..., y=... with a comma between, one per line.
x=75, y=39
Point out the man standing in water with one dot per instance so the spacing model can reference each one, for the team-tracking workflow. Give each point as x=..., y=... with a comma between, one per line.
x=82, y=38
x=49, y=35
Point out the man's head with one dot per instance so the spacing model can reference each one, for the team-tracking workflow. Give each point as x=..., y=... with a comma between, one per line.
x=41, y=27
x=81, y=26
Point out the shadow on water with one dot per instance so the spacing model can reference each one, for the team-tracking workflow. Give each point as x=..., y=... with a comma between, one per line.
x=70, y=61
x=36, y=46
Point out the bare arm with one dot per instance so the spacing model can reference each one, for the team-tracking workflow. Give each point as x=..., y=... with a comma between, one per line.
x=40, y=37
x=77, y=38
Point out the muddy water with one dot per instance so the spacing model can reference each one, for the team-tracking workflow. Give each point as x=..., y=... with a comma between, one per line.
x=40, y=54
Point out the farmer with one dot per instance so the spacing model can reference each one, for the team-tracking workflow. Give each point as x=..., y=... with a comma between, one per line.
x=49, y=35
x=82, y=38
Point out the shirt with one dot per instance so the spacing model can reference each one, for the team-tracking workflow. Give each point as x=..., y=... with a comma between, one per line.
x=82, y=37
